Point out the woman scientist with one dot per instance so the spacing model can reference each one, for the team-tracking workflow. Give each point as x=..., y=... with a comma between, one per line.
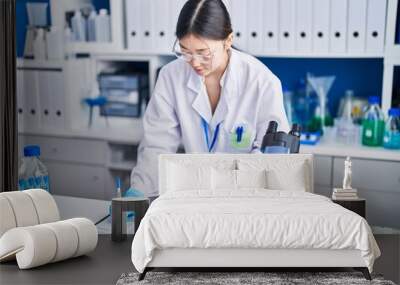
x=213, y=98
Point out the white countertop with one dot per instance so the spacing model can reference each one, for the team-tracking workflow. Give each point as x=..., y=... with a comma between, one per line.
x=355, y=151
x=134, y=137
x=118, y=136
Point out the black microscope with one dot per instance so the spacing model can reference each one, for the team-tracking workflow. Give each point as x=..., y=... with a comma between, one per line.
x=281, y=142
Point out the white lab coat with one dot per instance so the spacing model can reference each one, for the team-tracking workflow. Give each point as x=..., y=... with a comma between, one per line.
x=251, y=96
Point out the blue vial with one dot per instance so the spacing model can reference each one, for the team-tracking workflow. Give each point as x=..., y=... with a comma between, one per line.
x=391, y=138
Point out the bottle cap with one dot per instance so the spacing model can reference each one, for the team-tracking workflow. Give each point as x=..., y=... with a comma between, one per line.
x=103, y=12
x=394, y=112
x=31, y=150
x=373, y=100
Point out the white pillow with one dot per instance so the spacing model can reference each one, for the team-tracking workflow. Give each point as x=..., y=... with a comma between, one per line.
x=223, y=179
x=251, y=178
x=290, y=179
x=188, y=177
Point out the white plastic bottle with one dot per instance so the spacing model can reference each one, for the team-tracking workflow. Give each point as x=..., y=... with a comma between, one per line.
x=78, y=23
x=91, y=24
x=54, y=44
x=103, y=28
x=32, y=173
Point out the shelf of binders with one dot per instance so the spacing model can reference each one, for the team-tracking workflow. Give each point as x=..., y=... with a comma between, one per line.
x=275, y=28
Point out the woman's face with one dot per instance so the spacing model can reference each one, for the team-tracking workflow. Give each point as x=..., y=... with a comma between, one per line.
x=204, y=55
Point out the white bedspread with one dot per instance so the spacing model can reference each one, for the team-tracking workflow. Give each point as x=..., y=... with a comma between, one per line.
x=250, y=218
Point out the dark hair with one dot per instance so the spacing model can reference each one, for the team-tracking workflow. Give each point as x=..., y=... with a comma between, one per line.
x=205, y=18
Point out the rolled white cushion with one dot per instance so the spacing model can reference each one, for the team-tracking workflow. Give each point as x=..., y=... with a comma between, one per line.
x=23, y=208
x=87, y=235
x=7, y=218
x=41, y=244
x=46, y=207
x=33, y=246
x=67, y=240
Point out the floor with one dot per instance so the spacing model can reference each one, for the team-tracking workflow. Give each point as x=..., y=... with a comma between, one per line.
x=103, y=266
x=110, y=260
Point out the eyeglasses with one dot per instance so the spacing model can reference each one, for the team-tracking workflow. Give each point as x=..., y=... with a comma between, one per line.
x=188, y=57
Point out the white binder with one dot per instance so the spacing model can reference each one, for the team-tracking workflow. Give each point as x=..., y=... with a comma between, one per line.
x=304, y=26
x=356, y=25
x=161, y=23
x=147, y=31
x=287, y=21
x=271, y=25
x=133, y=23
x=321, y=26
x=338, y=26
x=51, y=99
x=44, y=93
x=228, y=6
x=32, y=112
x=376, y=19
x=175, y=9
x=255, y=14
x=239, y=23
x=57, y=99
x=21, y=106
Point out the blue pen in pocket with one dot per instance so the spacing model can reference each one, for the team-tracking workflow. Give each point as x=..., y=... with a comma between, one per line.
x=239, y=134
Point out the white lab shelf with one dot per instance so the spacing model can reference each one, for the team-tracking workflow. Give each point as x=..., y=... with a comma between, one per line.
x=124, y=136
x=31, y=63
x=355, y=151
x=90, y=48
x=321, y=55
x=121, y=166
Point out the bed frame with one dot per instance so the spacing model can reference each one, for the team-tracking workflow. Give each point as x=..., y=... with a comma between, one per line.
x=246, y=259
x=238, y=259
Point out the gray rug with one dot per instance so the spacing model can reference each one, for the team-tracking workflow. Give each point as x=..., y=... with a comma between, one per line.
x=229, y=278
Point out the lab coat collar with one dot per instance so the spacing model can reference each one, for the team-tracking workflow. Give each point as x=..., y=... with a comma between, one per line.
x=229, y=92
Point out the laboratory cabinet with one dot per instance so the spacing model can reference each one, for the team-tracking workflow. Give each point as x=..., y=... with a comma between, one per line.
x=77, y=167
x=80, y=167
x=70, y=150
x=78, y=180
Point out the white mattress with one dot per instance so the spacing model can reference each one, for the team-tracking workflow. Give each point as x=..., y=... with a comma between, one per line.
x=252, y=218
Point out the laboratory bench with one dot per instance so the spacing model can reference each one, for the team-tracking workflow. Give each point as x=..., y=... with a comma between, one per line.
x=85, y=164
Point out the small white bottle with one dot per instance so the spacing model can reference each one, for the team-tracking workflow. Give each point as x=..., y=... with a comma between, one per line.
x=78, y=23
x=103, y=29
x=91, y=23
x=54, y=44
x=39, y=45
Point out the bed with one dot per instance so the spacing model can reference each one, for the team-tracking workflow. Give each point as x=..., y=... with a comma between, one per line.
x=246, y=211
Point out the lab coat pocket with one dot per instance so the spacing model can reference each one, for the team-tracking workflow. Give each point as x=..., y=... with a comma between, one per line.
x=240, y=138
